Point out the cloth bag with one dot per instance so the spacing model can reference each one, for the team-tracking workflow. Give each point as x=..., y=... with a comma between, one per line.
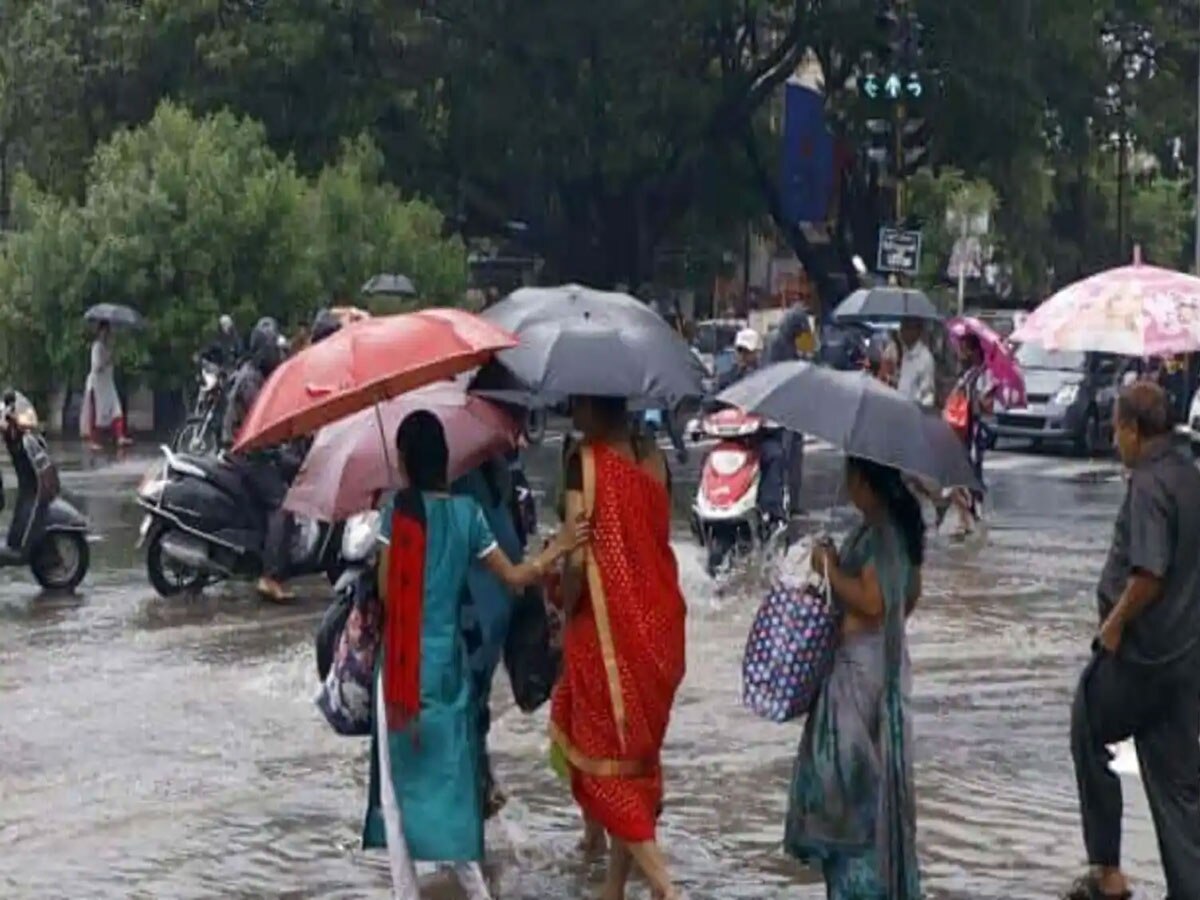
x=789, y=652
x=345, y=696
x=329, y=632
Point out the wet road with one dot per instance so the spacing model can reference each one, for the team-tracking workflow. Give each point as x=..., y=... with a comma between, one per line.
x=155, y=749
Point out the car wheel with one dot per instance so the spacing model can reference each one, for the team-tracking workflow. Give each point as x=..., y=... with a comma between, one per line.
x=1089, y=441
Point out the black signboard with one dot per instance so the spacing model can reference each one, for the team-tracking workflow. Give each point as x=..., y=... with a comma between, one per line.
x=899, y=251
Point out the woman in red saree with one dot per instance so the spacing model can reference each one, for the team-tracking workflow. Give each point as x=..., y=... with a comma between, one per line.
x=623, y=644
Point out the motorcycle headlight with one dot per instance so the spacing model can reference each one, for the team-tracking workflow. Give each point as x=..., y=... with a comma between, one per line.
x=360, y=536
x=1067, y=395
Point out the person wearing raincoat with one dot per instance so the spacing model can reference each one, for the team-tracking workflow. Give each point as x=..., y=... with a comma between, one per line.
x=102, y=409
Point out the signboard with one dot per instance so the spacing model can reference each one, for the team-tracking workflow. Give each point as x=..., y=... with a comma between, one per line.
x=899, y=251
x=806, y=158
x=893, y=87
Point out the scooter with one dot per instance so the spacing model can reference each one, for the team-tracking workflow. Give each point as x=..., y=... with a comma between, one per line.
x=725, y=516
x=201, y=433
x=355, y=585
x=47, y=533
x=203, y=526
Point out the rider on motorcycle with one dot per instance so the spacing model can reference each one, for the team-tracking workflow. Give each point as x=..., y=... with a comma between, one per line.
x=225, y=349
x=268, y=472
x=748, y=346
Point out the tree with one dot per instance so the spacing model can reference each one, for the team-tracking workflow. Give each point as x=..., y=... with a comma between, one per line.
x=187, y=218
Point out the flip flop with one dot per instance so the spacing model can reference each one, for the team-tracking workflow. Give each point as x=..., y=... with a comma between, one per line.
x=1086, y=888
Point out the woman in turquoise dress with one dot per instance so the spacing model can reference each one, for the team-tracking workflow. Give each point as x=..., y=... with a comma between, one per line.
x=425, y=802
x=851, y=809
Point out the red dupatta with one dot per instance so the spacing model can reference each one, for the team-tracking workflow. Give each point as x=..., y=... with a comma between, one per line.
x=404, y=602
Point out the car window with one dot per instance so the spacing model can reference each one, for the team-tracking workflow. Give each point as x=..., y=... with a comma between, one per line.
x=1033, y=356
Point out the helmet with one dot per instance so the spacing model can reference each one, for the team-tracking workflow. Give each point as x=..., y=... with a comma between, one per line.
x=225, y=323
x=749, y=340
x=324, y=324
x=264, y=344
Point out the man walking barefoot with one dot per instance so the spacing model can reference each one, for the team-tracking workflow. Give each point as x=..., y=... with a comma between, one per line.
x=1143, y=681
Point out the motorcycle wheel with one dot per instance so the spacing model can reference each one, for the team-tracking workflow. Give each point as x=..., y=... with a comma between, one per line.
x=60, y=560
x=168, y=578
x=195, y=438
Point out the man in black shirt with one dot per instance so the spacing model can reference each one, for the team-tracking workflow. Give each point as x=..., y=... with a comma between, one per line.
x=1143, y=681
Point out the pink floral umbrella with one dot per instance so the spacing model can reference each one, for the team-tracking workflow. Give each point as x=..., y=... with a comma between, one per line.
x=1135, y=310
x=1005, y=372
x=347, y=467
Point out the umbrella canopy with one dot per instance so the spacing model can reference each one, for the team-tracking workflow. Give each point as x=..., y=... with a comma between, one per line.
x=1135, y=310
x=1001, y=364
x=574, y=340
x=858, y=415
x=115, y=315
x=365, y=363
x=347, y=464
x=886, y=304
x=390, y=284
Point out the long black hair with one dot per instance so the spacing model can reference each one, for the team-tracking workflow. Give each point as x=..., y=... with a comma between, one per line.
x=888, y=485
x=421, y=443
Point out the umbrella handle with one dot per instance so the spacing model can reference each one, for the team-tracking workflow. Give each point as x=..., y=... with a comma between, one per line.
x=387, y=460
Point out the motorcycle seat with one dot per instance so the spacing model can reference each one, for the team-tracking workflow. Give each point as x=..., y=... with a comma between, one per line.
x=223, y=474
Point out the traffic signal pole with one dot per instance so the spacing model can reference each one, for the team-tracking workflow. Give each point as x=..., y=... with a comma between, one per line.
x=901, y=174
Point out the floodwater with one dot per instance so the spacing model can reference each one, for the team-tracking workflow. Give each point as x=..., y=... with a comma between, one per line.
x=153, y=749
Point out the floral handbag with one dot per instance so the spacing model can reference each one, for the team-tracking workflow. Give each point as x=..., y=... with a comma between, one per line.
x=789, y=652
x=345, y=696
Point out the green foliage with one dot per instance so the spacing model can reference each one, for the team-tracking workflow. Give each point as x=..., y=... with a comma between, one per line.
x=187, y=218
x=935, y=198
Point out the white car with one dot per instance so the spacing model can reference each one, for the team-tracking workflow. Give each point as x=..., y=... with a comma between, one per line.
x=1191, y=427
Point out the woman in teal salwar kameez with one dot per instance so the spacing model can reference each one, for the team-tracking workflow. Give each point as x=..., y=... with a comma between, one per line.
x=425, y=802
x=851, y=809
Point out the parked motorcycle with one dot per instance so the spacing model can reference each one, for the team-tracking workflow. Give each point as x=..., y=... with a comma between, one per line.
x=47, y=533
x=725, y=516
x=200, y=435
x=204, y=525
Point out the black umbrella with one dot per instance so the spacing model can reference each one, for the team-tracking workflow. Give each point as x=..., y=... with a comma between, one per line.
x=113, y=314
x=575, y=340
x=859, y=415
x=884, y=304
x=400, y=285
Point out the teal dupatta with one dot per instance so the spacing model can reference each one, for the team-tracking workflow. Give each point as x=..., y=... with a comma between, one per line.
x=851, y=807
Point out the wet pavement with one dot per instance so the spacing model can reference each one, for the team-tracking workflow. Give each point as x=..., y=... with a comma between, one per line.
x=170, y=749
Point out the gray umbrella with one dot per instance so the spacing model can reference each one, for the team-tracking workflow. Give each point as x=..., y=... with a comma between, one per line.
x=857, y=414
x=575, y=340
x=113, y=314
x=887, y=303
x=400, y=285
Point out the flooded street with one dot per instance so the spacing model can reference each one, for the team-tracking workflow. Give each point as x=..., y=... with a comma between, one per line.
x=157, y=749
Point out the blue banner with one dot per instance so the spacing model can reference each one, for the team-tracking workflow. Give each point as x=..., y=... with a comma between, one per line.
x=806, y=161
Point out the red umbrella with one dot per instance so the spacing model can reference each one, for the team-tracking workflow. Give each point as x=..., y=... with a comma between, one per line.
x=347, y=465
x=366, y=363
